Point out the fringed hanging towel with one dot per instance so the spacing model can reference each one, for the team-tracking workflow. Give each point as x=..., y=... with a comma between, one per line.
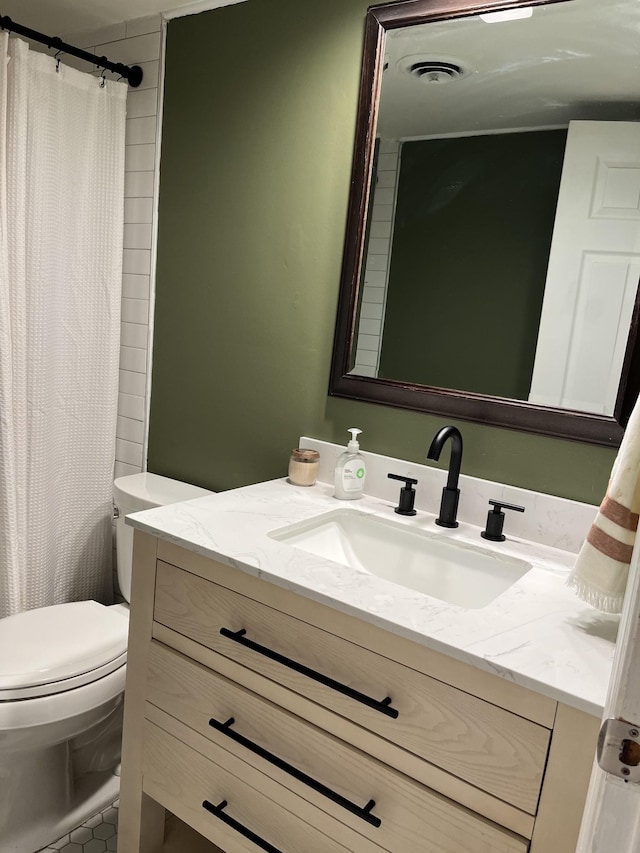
x=600, y=572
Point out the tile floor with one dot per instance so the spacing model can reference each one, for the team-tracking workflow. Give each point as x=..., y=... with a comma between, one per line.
x=96, y=835
x=100, y=835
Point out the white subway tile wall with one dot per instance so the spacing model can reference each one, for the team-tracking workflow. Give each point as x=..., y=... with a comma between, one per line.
x=135, y=42
x=376, y=270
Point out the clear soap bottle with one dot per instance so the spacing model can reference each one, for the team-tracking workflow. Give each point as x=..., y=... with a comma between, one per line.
x=350, y=470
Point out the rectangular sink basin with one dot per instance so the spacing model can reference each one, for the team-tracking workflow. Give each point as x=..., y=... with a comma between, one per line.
x=454, y=572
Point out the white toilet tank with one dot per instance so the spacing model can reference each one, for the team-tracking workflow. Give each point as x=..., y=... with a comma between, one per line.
x=133, y=494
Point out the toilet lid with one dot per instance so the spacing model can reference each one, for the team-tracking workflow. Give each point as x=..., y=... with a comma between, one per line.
x=47, y=645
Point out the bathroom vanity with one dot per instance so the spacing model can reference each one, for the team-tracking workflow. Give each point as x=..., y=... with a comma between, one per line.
x=282, y=701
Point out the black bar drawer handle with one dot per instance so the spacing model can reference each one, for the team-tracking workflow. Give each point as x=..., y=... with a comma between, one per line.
x=363, y=812
x=383, y=706
x=219, y=812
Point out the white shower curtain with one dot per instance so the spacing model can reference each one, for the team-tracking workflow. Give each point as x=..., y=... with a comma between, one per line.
x=61, y=235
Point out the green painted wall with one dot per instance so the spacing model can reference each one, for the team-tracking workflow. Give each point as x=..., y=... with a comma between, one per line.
x=499, y=191
x=258, y=129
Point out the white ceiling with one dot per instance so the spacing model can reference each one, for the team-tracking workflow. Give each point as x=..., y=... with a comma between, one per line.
x=573, y=60
x=65, y=17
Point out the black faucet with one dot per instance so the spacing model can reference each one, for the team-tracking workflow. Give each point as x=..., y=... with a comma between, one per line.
x=451, y=492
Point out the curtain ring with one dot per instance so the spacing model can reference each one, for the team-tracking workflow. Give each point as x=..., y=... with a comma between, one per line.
x=56, y=44
x=101, y=64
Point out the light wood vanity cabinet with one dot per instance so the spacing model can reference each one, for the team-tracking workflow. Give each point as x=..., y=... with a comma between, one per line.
x=319, y=732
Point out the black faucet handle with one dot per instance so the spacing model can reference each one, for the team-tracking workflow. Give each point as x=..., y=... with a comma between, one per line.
x=500, y=505
x=407, y=494
x=408, y=480
x=495, y=520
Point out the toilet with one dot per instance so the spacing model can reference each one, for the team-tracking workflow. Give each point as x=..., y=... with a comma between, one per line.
x=62, y=677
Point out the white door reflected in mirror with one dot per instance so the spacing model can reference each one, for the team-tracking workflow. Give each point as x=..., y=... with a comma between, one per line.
x=594, y=268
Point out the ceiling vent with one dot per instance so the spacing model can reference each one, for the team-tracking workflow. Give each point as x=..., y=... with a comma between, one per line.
x=435, y=71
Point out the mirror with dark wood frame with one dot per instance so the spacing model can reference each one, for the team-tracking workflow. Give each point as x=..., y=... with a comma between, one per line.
x=491, y=263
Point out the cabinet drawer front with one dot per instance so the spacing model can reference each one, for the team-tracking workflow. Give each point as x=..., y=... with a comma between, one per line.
x=183, y=781
x=491, y=748
x=332, y=775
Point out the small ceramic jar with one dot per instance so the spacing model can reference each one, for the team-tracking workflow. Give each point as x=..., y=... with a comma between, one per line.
x=303, y=467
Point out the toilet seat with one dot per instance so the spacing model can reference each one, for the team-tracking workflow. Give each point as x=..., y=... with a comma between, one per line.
x=54, y=649
x=45, y=711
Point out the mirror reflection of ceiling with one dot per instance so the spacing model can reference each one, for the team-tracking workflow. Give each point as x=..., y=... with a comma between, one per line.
x=571, y=60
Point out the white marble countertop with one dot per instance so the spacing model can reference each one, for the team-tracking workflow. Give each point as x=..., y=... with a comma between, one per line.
x=537, y=633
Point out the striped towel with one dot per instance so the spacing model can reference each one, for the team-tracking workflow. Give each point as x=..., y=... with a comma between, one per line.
x=602, y=566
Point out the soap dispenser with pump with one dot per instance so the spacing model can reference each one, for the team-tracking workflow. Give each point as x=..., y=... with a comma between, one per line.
x=350, y=470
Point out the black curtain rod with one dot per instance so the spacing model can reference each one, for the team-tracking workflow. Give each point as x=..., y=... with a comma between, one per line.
x=131, y=73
